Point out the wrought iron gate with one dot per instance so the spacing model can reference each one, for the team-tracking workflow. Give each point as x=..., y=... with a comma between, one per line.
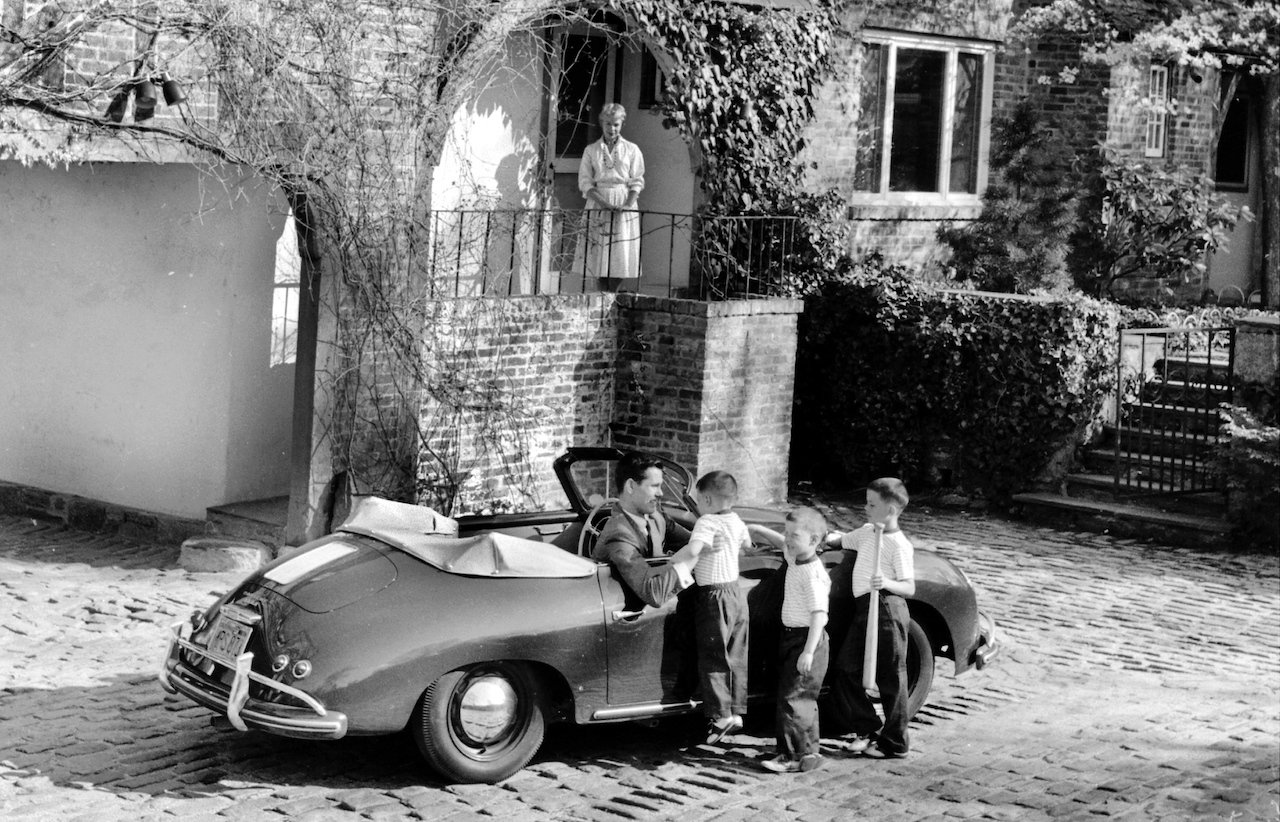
x=1170, y=384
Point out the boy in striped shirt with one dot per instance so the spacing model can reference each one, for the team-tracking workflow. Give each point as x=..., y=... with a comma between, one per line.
x=720, y=607
x=895, y=580
x=803, y=650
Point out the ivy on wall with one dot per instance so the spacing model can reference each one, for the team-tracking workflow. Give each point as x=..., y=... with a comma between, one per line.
x=741, y=88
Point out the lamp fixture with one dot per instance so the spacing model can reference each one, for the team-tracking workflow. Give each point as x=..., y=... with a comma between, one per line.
x=115, y=111
x=171, y=90
x=144, y=100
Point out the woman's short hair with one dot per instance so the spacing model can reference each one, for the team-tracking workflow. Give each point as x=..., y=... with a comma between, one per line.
x=612, y=110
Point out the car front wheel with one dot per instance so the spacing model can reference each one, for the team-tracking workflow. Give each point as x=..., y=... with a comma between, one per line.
x=480, y=724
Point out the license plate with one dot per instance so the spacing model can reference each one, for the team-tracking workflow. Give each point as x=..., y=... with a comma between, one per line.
x=227, y=640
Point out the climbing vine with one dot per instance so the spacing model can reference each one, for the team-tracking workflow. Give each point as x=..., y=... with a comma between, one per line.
x=741, y=87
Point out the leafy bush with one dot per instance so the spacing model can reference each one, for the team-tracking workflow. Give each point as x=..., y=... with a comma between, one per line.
x=1149, y=222
x=1029, y=212
x=1249, y=455
x=890, y=369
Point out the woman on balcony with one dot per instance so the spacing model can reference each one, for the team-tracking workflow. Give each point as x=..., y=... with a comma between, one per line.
x=611, y=178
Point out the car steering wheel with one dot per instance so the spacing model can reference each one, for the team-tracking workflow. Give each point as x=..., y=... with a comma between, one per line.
x=593, y=525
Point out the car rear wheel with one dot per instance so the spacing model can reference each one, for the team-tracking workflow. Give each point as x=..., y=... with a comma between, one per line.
x=481, y=724
x=919, y=668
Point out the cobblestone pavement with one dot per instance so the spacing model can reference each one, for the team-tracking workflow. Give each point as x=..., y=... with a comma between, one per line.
x=1138, y=682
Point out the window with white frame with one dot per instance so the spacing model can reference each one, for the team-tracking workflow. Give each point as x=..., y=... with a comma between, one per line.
x=924, y=117
x=285, y=295
x=1157, y=109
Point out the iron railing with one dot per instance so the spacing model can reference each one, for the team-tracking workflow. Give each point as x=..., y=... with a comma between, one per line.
x=515, y=252
x=1171, y=383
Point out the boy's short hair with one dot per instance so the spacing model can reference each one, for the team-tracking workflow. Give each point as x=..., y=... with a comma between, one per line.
x=633, y=466
x=809, y=520
x=891, y=489
x=719, y=484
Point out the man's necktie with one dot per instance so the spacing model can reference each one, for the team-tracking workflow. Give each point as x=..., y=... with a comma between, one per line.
x=648, y=532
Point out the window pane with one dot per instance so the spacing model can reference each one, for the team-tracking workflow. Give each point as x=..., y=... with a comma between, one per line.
x=870, y=118
x=1233, y=146
x=581, y=92
x=917, y=120
x=966, y=123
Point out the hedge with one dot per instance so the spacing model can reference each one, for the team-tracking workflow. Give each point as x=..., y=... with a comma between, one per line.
x=971, y=389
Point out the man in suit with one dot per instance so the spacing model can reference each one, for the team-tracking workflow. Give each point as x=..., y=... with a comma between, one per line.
x=638, y=530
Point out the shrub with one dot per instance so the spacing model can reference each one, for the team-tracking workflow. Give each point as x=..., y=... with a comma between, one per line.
x=1019, y=241
x=890, y=369
x=1149, y=222
x=1248, y=453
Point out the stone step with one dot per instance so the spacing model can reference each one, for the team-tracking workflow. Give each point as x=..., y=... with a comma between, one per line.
x=1163, y=442
x=261, y=520
x=1103, y=488
x=1158, y=416
x=1153, y=472
x=1123, y=519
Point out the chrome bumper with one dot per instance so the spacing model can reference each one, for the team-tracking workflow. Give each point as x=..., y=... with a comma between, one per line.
x=988, y=643
x=310, y=722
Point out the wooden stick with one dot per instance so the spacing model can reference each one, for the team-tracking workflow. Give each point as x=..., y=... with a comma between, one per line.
x=871, y=647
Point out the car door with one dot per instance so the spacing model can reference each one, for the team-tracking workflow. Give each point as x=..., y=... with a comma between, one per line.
x=650, y=650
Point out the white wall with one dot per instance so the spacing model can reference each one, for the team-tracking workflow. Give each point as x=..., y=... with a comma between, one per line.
x=135, y=317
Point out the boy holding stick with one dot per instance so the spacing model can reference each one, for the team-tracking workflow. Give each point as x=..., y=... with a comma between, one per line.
x=874, y=652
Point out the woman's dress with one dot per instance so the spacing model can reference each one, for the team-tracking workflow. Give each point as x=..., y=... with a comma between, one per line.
x=612, y=247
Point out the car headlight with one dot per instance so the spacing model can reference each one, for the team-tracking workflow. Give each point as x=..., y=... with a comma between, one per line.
x=301, y=668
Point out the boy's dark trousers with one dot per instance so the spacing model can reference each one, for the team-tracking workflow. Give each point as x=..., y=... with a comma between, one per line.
x=720, y=623
x=852, y=706
x=797, y=715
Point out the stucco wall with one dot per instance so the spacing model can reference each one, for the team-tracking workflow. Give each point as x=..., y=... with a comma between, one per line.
x=135, y=310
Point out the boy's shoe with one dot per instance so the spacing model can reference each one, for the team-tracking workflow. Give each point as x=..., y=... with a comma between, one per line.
x=876, y=752
x=811, y=762
x=859, y=743
x=782, y=764
x=721, y=728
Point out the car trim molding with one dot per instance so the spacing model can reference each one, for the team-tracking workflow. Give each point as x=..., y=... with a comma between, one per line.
x=644, y=709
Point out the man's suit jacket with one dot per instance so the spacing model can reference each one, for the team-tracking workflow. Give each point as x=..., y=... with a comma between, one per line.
x=625, y=545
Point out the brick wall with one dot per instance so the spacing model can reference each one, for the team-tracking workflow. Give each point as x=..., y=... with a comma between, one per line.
x=536, y=376
x=903, y=234
x=710, y=385
x=706, y=384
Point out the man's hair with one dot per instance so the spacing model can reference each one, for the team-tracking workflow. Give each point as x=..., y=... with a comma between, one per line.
x=633, y=466
x=892, y=490
x=809, y=520
x=719, y=484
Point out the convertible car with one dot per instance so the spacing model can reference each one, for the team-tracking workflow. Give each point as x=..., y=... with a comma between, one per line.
x=475, y=640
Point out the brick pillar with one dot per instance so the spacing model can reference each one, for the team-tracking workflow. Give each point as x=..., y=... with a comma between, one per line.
x=1256, y=370
x=709, y=385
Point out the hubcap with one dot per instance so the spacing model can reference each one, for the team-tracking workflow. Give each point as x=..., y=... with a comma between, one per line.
x=487, y=709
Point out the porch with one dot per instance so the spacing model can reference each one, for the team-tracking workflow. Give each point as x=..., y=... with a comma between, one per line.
x=528, y=252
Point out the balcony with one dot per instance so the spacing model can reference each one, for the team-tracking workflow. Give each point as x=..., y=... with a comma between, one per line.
x=522, y=252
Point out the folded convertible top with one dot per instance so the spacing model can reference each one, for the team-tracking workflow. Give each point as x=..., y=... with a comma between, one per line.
x=431, y=537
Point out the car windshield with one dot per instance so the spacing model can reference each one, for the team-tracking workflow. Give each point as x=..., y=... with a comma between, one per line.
x=596, y=480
